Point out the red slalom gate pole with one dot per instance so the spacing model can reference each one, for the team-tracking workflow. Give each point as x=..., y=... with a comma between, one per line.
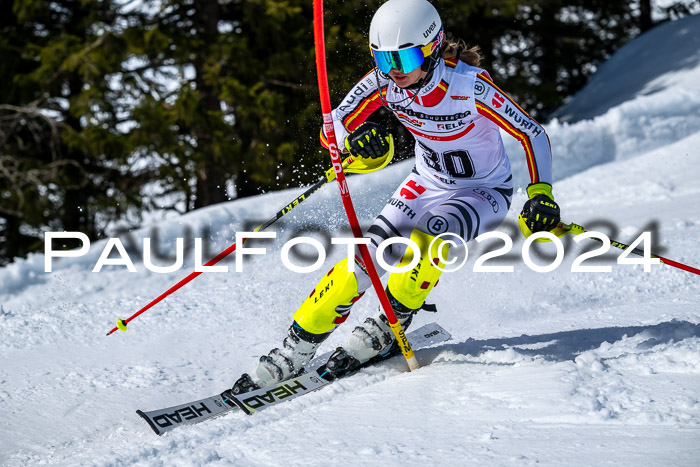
x=319, y=41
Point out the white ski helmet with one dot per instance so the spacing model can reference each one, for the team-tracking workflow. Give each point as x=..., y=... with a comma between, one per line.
x=403, y=33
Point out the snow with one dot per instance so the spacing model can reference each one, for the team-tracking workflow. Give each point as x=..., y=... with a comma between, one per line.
x=559, y=368
x=665, y=57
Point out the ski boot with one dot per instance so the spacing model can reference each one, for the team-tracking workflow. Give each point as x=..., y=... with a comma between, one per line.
x=298, y=348
x=374, y=338
x=407, y=292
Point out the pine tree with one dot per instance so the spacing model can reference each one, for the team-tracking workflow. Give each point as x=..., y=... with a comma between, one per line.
x=110, y=107
x=63, y=159
x=241, y=111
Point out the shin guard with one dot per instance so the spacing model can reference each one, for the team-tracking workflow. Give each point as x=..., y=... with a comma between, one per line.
x=330, y=302
x=411, y=288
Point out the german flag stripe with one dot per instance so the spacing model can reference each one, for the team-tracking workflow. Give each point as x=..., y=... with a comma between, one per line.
x=368, y=105
x=443, y=85
x=324, y=139
x=443, y=138
x=524, y=139
x=451, y=62
x=483, y=76
x=368, y=73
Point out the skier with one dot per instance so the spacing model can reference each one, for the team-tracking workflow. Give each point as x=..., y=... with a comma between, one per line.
x=461, y=182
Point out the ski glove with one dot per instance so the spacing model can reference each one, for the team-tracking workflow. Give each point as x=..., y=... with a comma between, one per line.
x=540, y=212
x=368, y=141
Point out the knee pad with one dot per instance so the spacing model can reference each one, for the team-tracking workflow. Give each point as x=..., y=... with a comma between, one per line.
x=411, y=288
x=330, y=302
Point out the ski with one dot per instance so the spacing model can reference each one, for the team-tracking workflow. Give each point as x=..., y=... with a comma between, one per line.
x=164, y=420
x=255, y=401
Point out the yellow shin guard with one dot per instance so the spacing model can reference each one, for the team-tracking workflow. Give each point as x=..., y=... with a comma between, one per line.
x=330, y=302
x=411, y=288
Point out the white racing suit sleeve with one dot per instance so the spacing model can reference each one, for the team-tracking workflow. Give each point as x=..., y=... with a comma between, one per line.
x=495, y=105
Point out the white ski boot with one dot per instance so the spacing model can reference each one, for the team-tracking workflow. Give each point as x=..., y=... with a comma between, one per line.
x=373, y=338
x=298, y=348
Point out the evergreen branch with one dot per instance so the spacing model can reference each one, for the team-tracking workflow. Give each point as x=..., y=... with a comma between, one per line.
x=286, y=84
x=29, y=117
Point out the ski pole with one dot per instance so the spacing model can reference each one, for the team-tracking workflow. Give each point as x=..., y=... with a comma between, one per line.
x=343, y=186
x=575, y=229
x=329, y=177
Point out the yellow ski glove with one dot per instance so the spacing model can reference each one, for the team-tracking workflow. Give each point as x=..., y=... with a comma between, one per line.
x=540, y=212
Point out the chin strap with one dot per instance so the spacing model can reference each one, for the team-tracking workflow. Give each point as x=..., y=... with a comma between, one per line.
x=385, y=103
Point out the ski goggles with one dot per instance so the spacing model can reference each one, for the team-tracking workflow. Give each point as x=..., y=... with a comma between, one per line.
x=405, y=60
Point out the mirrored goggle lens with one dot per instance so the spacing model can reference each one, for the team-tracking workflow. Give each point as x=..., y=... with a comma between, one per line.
x=405, y=60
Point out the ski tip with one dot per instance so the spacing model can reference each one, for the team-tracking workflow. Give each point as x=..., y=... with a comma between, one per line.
x=150, y=422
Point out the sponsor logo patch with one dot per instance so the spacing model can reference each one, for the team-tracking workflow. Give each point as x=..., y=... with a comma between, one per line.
x=436, y=42
x=487, y=198
x=415, y=190
x=437, y=225
x=410, y=120
x=521, y=120
x=498, y=100
x=401, y=206
x=430, y=29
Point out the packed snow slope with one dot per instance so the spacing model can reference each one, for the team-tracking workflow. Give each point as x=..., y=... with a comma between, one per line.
x=555, y=368
x=663, y=58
